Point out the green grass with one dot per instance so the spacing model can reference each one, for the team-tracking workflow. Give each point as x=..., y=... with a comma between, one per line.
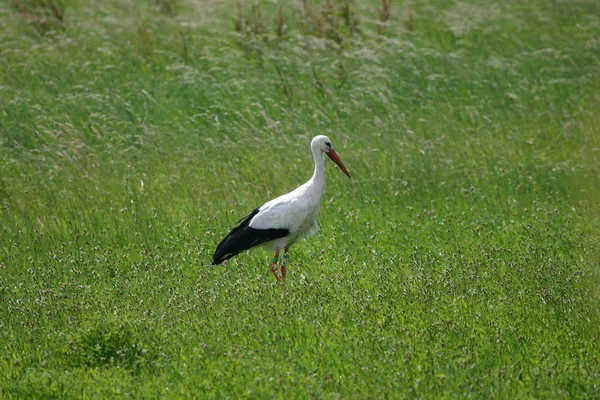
x=461, y=260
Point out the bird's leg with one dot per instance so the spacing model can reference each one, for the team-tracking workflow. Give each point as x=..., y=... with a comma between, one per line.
x=284, y=262
x=274, y=265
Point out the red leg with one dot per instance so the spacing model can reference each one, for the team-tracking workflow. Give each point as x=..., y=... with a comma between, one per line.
x=284, y=262
x=274, y=265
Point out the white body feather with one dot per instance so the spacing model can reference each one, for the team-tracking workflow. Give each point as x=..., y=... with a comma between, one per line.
x=296, y=211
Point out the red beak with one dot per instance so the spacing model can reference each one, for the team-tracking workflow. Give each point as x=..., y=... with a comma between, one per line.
x=336, y=159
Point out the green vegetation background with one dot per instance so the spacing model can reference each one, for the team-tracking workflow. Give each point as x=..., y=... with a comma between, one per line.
x=461, y=260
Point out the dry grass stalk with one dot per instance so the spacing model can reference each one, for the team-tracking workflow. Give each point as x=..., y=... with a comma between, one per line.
x=284, y=86
x=185, y=44
x=317, y=82
x=144, y=35
x=409, y=22
x=305, y=9
x=384, y=15
x=257, y=22
x=43, y=15
x=168, y=7
x=336, y=21
x=280, y=23
x=239, y=20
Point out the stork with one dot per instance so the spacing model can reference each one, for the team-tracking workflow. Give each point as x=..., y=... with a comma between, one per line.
x=281, y=222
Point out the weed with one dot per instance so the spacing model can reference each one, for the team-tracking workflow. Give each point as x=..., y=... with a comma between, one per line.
x=280, y=24
x=168, y=7
x=184, y=39
x=43, y=15
x=286, y=89
x=336, y=21
x=107, y=343
x=239, y=19
x=144, y=36
x=318, y=84
x=409, y=22
x=253, y=24
x=384, y=15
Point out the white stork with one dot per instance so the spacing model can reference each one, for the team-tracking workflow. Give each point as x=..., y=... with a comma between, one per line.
x=281, y=222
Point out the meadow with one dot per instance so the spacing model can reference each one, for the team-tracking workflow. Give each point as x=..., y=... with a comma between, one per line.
x=461, y=261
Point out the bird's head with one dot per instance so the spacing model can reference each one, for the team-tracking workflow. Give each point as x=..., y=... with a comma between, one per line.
x=323, y=143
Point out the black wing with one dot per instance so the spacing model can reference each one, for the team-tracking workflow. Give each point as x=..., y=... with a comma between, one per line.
x=243, y=237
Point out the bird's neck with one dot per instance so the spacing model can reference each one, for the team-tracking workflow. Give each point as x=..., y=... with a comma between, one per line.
x=318, y=177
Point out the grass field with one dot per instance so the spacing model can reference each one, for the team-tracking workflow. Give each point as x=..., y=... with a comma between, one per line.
x=461, y=260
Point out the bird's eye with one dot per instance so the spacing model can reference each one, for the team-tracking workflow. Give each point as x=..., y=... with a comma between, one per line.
x=328, y=144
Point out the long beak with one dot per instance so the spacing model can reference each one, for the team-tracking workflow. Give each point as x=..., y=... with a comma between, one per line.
x=336, y=159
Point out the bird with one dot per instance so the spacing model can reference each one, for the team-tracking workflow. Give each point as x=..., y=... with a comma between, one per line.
x=281, y=222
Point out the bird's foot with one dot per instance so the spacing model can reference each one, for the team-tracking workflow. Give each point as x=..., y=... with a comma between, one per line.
x=276, y=272
x=284, y=262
